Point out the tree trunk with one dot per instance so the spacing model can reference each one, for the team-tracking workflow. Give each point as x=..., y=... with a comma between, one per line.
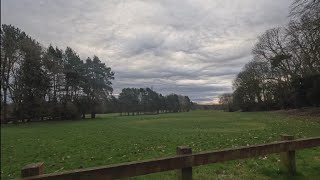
x=21, y=114
x=5, y=106
x=4, y=85
x=93, y=115
x=83, y=116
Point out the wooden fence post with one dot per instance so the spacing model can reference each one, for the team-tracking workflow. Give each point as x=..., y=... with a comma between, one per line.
x=288, y=158
x=184, y=173
x=33, y=169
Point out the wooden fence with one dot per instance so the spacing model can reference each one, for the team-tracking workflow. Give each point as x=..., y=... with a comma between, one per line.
x=182, y=162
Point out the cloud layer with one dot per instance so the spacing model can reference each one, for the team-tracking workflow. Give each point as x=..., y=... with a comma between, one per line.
x=189, y=47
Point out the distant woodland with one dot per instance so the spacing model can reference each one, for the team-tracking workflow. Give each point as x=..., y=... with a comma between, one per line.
x=49, y=83
x=39, y=83
x=285, y=69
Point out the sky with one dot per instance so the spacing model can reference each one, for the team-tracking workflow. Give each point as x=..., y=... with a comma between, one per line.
x=190, y=47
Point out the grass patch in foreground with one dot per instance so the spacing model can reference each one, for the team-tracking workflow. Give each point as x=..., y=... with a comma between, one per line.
x=113, y=139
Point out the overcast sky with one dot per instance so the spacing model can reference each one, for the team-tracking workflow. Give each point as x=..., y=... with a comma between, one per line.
x=188, y=47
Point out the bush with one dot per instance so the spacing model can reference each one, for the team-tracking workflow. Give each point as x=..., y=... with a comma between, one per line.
x=71, y=111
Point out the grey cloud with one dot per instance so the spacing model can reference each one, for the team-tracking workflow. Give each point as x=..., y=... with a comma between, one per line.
x=185, y=46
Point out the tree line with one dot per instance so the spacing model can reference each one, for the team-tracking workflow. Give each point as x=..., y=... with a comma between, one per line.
x=285, y=69
x=39, y=82
x=147, y=101
x=48, y=83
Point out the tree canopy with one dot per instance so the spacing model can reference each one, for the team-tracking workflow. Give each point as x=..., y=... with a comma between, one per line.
x=145, y=100
x=39, y=82
x=285, y=70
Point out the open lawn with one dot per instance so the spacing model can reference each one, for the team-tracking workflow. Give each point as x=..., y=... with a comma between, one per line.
x=113, y=139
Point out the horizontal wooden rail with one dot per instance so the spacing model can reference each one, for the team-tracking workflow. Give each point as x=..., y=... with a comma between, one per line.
x=180, y=161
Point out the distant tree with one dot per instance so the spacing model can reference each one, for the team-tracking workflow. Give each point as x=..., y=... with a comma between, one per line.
x=112, y=105
x=83, y=104
x=152, y=100
x=97, y=82
x=184, y=103
x=54, y=65
x=162, y=103
x=286, y=66
x=129, y=100
x=226, y=100
x=10, y=53
x=33, y=79
x=146, y=100
x=73, y=72
x=173, y=103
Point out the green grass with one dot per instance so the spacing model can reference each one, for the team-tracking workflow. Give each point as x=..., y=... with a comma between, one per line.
x=113, y=139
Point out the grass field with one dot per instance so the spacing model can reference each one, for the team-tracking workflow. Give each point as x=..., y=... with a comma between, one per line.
x=113, y=139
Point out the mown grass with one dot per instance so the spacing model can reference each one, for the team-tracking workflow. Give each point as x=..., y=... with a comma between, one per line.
x=113, y=139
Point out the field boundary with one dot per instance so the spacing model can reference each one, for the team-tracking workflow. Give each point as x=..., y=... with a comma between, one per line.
x=183, y=161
